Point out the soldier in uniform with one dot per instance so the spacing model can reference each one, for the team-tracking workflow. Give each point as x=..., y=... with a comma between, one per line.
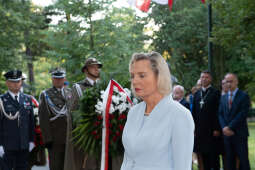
x=91, y=69
x=78, y=160
x=16, y=124
x=54, y=108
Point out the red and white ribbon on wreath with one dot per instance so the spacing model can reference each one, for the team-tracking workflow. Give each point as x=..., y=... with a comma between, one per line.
x=107, y=100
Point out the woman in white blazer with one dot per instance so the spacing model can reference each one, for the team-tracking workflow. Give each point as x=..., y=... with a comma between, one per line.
x=159, y=132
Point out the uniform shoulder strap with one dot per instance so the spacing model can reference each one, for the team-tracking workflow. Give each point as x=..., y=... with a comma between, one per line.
x=78, y=89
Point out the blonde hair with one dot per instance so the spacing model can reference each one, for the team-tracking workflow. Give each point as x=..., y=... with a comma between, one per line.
x=160, y=69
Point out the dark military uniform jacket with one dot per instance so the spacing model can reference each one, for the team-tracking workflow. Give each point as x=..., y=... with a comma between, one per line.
x=54, y=124
x=16, y=134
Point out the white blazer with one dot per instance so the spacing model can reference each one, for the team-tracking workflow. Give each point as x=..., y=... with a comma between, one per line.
x=161, y=141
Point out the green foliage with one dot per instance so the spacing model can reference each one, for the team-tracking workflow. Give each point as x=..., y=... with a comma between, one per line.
x=86, y=29
x=182, y=39
x=235, y=32
x=112, y=37
x=42, y=76
x=237, y=23
x=251, y=144
x=11, y=21
x=10, y=36
x=20, y=23
x=88, y=123
x=183, y=35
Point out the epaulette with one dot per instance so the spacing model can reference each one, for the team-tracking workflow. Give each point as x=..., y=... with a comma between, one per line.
x=46, y=90
x=85, y=83
x=26, y=95
x=3, y=96
x=68, y=89
x=81, y=82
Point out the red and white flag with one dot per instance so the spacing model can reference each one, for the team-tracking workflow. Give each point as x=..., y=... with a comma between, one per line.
x=144, y=5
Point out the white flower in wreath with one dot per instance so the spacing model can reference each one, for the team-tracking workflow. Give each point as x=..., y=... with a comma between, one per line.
x=98, y=111
x=102, y=94
x=115, y=99
x=99, y=107
x=122, y=107
x=115, y=89
x=123, y=96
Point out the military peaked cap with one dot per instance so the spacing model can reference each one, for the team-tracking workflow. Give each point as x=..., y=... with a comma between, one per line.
x=58, y=73
x=13, y=75
x=91, y=61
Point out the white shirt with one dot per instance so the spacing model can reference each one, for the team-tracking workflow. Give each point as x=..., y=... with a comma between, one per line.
x=205, y=88
x=91, y=81
x=13, y=95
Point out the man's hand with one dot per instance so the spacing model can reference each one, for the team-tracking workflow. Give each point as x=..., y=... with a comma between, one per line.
x=227, y=131
x=31, y=146
x=1, y=151
x=216, y=133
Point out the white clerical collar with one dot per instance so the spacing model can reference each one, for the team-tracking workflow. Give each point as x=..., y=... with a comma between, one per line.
x=13, y=95
x=91, y=81
x=205, y=88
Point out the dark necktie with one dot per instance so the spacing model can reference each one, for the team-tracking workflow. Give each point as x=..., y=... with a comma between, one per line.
x=16, y=99
x=230, y=100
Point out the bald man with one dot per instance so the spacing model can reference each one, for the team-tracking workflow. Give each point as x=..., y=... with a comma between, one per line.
x=178, y=95
x=233, y=111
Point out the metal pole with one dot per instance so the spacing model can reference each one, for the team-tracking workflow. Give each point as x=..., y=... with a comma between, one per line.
x=210, y=44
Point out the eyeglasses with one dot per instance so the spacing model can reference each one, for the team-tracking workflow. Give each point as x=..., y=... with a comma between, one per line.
x=230, y=81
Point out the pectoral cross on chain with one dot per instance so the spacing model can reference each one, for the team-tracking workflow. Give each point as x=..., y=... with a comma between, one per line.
x=201, y=103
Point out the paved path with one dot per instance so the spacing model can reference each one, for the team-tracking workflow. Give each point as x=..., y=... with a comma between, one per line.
x=41, y=167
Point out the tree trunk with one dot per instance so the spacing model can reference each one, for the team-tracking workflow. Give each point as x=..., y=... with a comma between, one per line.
x=30, y=67
x=91, y=27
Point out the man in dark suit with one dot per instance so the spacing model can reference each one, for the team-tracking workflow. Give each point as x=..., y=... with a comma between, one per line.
x=16, y=124
x=233, y=110
x=207, y=131
x=178, y=95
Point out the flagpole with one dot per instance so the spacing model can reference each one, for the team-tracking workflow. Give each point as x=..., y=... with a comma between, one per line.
x=210, y=44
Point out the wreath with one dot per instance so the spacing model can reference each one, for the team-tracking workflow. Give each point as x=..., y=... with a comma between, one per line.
x=89, y=122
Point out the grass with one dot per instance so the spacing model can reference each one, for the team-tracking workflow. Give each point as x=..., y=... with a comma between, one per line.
x=251, y=143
